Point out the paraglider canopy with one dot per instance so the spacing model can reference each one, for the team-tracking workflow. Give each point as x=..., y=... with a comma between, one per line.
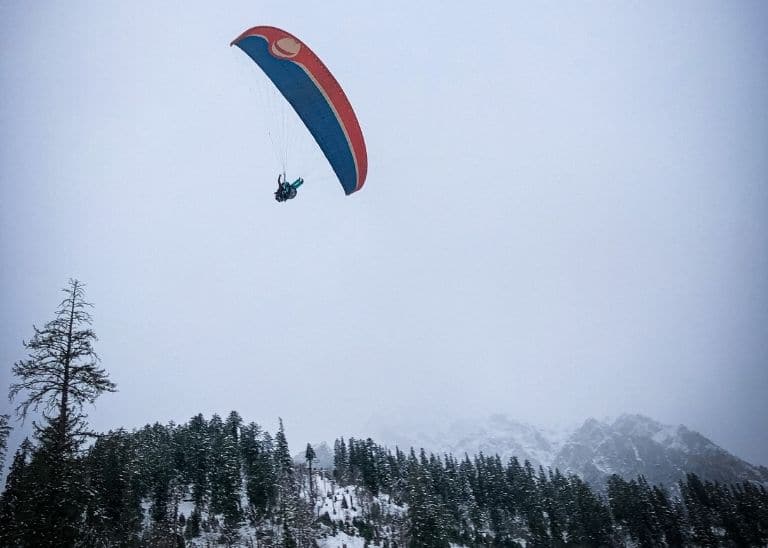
x=315, y=95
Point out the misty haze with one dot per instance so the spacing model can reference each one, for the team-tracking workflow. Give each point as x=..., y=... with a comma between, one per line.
x=497, y=276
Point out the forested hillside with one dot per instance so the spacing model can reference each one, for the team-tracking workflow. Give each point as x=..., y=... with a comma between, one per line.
x=225, y=482
x=217, y=481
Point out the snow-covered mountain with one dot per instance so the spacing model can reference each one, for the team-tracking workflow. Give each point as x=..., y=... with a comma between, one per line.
x=633, y=445
x=629, y=446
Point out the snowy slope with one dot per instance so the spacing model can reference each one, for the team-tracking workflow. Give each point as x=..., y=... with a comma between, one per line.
x=340, y=506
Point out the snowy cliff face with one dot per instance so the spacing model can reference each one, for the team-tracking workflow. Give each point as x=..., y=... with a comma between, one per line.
x=629, y=446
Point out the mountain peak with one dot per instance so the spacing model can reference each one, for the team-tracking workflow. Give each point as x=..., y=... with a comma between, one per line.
x=637, y=425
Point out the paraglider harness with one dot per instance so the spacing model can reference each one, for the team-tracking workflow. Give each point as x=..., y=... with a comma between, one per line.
x=285, y=190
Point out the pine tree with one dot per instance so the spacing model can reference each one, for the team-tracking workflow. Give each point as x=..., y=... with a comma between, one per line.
x=225, y=470
x=340, y=461
x=427, y=528
x=669, y=516
x=61, y=372
x=557, y=503
x=56, y=494
x=532, y=506
x=162, y=483
x=232, y=425
x=59, y=376
x=369, y=470
x=589, y=520
x=198, y=444
x=309, y=456
x=287, y=491
x=259, y=468
x=283, y=458
x=15, y=507
x=701, y=513
x=114, y=513
x=467, y=511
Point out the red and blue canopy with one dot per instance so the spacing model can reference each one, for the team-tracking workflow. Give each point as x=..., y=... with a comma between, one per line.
x=316, y=97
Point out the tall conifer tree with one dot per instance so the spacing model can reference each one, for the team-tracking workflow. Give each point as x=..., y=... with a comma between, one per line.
x=59, y=376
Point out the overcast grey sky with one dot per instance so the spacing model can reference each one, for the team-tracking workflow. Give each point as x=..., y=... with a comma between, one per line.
x=566, y=212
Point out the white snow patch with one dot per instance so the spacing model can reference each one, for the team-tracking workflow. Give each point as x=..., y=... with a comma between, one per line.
x=342, y=540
